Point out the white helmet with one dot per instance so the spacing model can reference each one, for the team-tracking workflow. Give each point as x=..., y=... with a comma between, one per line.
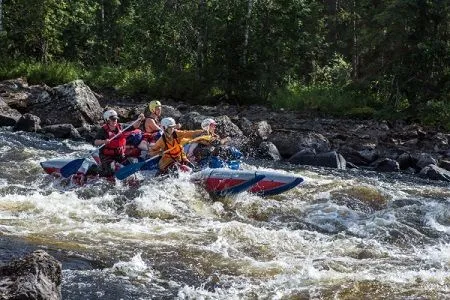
x=207, y=122
x=167, y=122
x=110, y=114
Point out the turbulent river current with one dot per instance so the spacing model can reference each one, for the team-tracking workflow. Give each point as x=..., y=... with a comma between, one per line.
x=340, y=235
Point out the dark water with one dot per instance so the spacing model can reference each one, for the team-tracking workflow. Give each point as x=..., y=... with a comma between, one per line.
x=342, y=235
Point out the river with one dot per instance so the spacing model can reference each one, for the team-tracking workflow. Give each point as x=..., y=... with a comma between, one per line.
x=340, y=235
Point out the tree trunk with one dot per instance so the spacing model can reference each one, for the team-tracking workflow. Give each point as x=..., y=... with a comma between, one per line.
x=1, y=15
x=336, y=20
x=201, y=38
x=247, y=30
x=355, y=44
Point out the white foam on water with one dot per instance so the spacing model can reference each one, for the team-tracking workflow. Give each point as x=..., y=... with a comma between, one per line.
x=438, y=217
x=135, y=268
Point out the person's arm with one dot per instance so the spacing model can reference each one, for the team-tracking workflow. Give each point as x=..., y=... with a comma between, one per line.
x=101, y=138
x=157, y=148
x=189, y=134
x=137, y=124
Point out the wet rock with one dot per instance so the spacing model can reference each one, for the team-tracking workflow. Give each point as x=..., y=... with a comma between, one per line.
x=88, y=132
x=28, y=122
x=433, y=172
x=267, y=150
x=387, y=165
x=361, y=198
x=191, y=120
x=369, y=155
x=36, y=276
x=64, y=131
x=290, y=143
x=444, y=164
x=424, y=159
x=330, y=159
x=263, y=130
x=170, y=111
x=15, y=93
x=72, y=103
x=406, y=161
x=246, y=126
x=8, y=116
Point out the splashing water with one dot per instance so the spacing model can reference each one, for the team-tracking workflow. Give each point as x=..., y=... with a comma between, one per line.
x=341, y=235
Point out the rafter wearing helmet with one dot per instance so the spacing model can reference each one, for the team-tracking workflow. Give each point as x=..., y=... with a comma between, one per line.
x=114, y=148
x=207, y=144
x=171, y=139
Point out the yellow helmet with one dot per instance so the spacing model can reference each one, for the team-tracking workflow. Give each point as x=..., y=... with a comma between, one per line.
x=153, y=105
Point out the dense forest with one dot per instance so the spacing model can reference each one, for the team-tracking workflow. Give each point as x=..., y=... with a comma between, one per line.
x=367, y=58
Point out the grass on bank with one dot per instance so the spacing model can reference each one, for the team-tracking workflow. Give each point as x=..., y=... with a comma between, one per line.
x=342, y=101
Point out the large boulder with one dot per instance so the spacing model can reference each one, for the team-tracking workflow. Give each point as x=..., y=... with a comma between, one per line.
x=433, y=172
x=64, y=131
x=72, y=103
x=330, y=159
x=36, y=276
x=267, y=150
x=191, y=120
x=8, y=115
x=28, y=122
x=289, y=143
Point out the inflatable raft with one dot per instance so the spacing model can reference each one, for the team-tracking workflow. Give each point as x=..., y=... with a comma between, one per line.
x=218, y=182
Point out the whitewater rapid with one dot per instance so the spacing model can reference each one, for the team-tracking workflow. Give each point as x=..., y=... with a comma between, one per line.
x=340, y=235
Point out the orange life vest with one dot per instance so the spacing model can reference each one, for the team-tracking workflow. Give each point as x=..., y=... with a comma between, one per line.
x=176, y=151
x=115, y=147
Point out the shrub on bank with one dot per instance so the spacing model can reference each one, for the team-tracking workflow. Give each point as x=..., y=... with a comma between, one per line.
x=323, y=98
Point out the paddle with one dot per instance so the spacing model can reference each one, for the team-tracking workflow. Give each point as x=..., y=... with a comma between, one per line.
x=73, y=166
x=130, y=169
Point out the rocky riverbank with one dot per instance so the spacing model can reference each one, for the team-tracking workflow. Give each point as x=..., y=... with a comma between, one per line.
x=73, y=111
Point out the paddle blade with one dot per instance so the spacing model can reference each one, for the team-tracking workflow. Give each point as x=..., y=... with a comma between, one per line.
x=152, y=164
x=128, y=170
x=72, y=167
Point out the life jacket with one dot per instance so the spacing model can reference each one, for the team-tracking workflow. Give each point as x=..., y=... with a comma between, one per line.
x=131, y=151
x=115, y=147
x=177, y=150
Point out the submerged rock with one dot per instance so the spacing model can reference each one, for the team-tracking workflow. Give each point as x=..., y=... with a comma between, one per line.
x=36, y=276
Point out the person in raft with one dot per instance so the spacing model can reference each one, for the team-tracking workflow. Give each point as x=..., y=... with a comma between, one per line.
x=207, y=144
x=170, y=148
x=152, y=130
x=114, y=149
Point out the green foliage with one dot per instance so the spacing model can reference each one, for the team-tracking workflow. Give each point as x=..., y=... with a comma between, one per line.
x=52, y=74
x=105, y=77
x=326, y=99
x=337, y=72
x=436, y=113
x=181, y=86
x=124, y=81
x=138, y=82
x=35, y=27
x=386, y=59
x=363, y=112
